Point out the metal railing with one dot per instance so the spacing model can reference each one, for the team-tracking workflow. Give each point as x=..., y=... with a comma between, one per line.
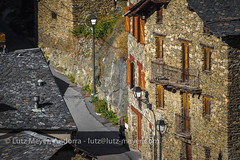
x=161, y=71
x=182, y=125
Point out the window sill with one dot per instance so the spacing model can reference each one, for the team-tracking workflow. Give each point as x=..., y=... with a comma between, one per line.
x=207, y=117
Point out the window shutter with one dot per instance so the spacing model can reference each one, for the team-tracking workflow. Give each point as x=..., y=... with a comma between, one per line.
x=159, y=15
x=128, y=71
x=137, y=28
x=142, y=32
x=159, y=43
x=143, y=81
x=133, y=26
x=127, y=21
x=160, y=101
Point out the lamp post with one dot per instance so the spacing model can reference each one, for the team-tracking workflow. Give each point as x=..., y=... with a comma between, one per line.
x=161, y=127
x=93, y=19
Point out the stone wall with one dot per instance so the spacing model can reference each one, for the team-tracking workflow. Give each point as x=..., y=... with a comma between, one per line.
x=73, y=56
x=234, y=104
x=181, y=23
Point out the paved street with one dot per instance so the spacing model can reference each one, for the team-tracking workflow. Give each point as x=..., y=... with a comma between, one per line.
x=98, y=136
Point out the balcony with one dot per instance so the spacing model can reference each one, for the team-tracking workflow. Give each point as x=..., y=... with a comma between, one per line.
x=182, y=126
x=175, y=78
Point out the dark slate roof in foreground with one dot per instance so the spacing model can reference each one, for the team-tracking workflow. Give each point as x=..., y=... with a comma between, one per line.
x=29, y=145
x=222, y=17
x=19, y=73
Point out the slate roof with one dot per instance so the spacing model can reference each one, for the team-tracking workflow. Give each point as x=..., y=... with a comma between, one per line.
x=29, y=145
x=222, y=17
x=19, y=73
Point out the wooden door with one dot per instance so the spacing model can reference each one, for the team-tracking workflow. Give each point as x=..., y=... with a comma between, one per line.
x=186, y=120
x=139, y=132
x=185, y=60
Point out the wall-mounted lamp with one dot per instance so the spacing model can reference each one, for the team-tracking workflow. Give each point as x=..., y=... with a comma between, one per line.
x=161, y=127
x=137, y=94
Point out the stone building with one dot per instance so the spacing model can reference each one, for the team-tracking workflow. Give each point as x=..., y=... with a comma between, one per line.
x=185, y=54
x=57, y=19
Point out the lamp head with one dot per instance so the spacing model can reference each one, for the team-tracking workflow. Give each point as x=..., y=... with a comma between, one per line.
x=161, y=125
x=137, y=91
x=93, y=19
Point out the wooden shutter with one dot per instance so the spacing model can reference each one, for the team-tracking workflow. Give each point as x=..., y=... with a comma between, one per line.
x=142, y=31
x=186, y=113
x=143, y=81
x=160, y=15
x=127, y=21
x=128, y=71
x=139, y=73
x=207, y=52
x=133, y=26
x=159, y=47
x=207, y=103
x=189, y=151
x=137, y=28
x=160, y=101
x=185, y=52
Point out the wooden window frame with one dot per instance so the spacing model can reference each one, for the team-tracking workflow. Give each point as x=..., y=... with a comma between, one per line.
x=127, y=20
x=137, y=28
x=54, y=15
x=160, y=15
x=207, y=106
x=159, y=47
x=207, y=59
x=130, y=72
x=185, y=61
x=160, y=97
x=142, y=31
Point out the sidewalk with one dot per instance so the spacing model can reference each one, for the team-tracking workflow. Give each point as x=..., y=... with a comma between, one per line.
x=90, y=125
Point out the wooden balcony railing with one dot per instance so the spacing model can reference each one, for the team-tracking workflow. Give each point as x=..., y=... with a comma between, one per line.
x=172, y=76
x=182, y=126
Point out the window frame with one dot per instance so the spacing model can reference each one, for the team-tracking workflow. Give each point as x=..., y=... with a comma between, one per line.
x=207, y=59
x=207, y=106
x=160, y=97
x=159, y=47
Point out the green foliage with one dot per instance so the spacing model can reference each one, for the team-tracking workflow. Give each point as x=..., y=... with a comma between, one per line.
x=71, y=78
x=103, y=28
x=46, y=57
x=94, y=99
x=87, y=89
x=101, y=107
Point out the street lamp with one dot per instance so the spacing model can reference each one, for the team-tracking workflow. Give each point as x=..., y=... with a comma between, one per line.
x=161, y=127
x=137, y=94
x=93, y=19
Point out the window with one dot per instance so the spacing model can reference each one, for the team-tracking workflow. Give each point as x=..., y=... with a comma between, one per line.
x=54, y=15
x=127, y=21
x=138, y=29
x=207, y=103
x=207, y=153
x=130, y=73
x=160, y=96
x=159, y=47
x=139, y=73
x=160, y=15
x=186, y=151
x=185, y=61
x=207, y=59
x=142, y=31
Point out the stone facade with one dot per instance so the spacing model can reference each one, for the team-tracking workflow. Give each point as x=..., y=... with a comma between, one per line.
x=213, y=137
